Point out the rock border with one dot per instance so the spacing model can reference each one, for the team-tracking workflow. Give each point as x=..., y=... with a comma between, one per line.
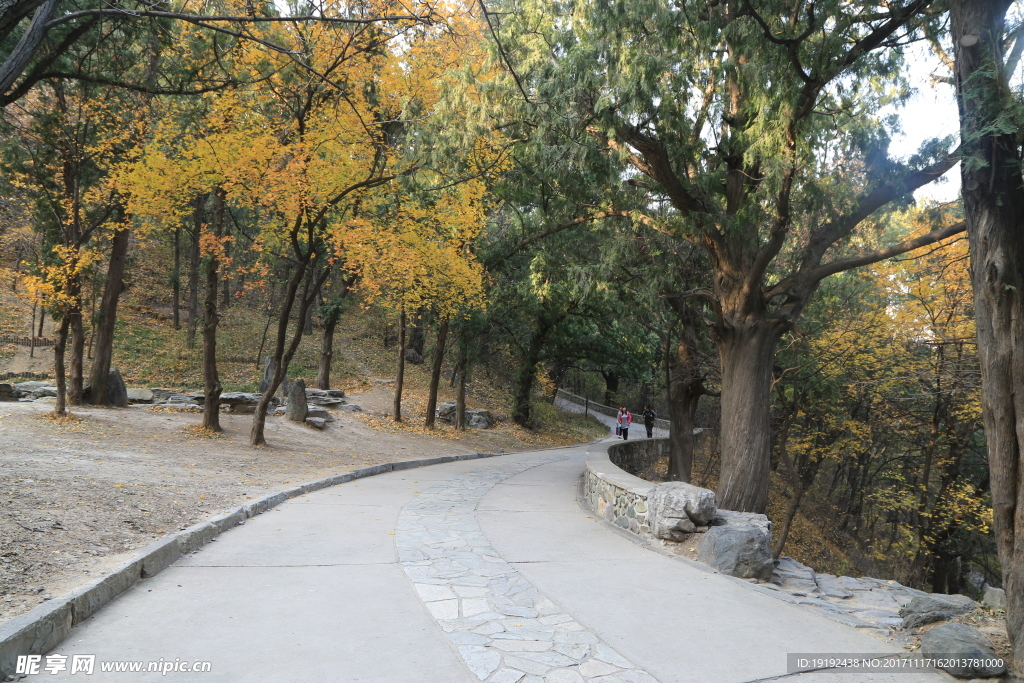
x=43, y=628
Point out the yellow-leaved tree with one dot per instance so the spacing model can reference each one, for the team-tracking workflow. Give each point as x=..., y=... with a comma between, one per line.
x=70, y=137
x=313, y=152
x=417, y=255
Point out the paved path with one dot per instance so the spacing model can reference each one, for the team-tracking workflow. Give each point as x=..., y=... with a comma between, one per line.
x=476, y=570
x=636, y=430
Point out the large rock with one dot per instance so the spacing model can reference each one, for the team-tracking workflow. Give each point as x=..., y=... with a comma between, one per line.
x=925, y=609
x=140, y=395
x=677, y=508
x=115, y=393
x=297, y=409
x=319, y=412
x=446, y=412
x=241, y=402
x=316, y=422
x=738, y=545
x=744, y=552
x=268, y=376
x=31, y=385
x=179, y=399
x=723, y=517
x=995, y=598
x=832, y=587
x=795, y=577
x=329, y=398
x=479, y=419
x=966, y=648
x=42, y=392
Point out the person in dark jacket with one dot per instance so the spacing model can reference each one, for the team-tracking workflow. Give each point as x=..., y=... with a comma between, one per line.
x=649, y=417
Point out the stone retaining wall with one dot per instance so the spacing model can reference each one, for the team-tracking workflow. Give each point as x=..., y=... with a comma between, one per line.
x=611, y=491
x=633, y=457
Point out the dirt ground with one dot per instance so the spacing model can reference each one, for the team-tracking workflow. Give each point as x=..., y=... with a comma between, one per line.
x=78, y=497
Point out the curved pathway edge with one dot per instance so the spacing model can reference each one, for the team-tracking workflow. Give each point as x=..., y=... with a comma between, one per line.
x=43, y=628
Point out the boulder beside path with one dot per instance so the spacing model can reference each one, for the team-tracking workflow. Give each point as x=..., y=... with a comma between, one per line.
x=677, y=508
x=739, y=544
x=966, y=651
x=297, y=409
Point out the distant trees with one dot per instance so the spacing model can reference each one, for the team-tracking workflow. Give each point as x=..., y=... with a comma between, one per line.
x=322, y=157
x=877, y=407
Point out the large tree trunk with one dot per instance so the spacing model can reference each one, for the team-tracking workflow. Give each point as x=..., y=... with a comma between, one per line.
x=435, y=372
x=747, y=352
x=994, y=202
x=60, y=407
x=611, y=388
x=521, y=410
x=685, y=389
x=400, y=377
x=211, y=380
x=103, y=356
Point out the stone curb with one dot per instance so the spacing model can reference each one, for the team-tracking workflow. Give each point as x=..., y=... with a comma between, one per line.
x=41, y=629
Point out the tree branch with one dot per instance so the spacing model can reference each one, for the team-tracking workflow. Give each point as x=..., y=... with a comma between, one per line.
x=27, y=46
x=827, y=235
x=200, y=18
x=776, y=238
x=841, y=265
x=1013, y=58
x=501, y=51
x=135, y=88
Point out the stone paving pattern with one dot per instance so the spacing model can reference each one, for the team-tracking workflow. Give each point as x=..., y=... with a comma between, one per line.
x=501, y=626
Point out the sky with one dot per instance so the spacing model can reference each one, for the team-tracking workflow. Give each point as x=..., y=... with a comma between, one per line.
x=931, y=113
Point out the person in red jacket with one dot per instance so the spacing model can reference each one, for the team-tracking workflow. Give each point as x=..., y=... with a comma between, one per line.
x=623, y=420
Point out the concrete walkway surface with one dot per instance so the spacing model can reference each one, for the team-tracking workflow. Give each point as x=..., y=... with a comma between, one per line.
x=466, y=571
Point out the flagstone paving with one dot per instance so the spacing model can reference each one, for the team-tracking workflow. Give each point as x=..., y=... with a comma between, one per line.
x=502, y=627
